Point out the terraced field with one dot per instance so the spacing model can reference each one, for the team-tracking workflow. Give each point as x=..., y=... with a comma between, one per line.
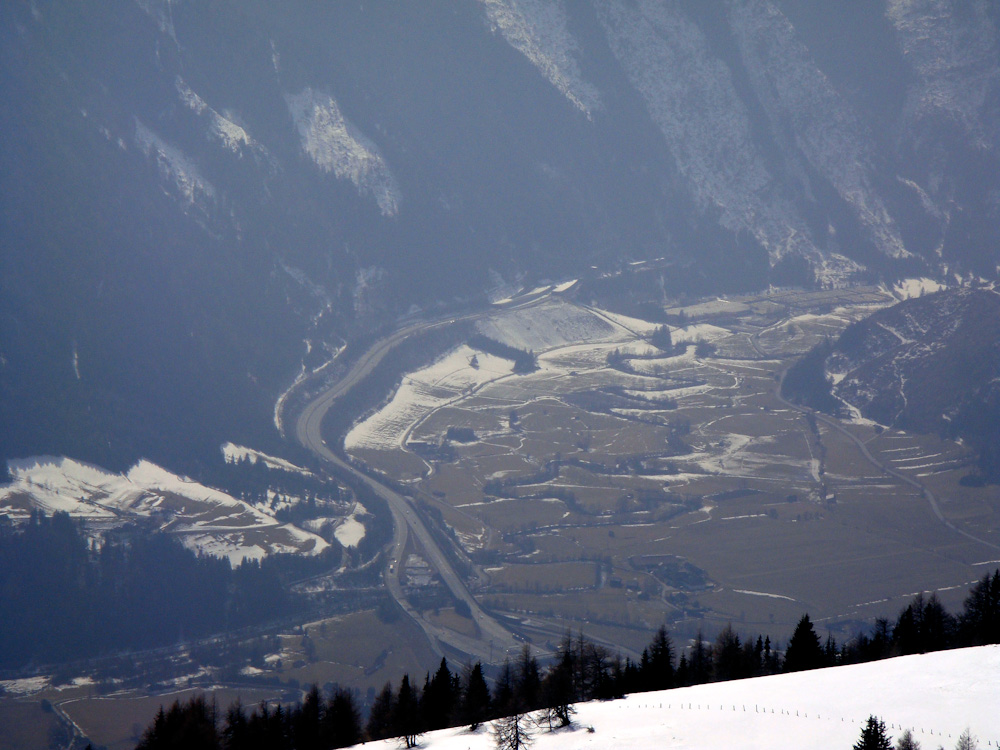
x=622, y=484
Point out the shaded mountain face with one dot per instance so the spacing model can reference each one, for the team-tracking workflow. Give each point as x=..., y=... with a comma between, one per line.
x=930, y=364
x=195, y=194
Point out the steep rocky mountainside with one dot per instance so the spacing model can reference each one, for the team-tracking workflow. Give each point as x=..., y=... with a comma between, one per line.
x=196, y=195
x=930, y=364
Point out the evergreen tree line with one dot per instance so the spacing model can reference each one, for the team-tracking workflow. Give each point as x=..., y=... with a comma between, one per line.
x=64, y=598
x=580, y=671
x=251, y=482
x=525, y=361
x=310, y=725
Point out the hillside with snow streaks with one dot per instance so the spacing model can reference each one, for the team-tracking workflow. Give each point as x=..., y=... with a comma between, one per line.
x=801, y=102
x=952, y=47
x=225, y=132
x=537, y=29
x=337, y=146
x=176, y=168
x=937, y=696
x=690, y=96
x=204, y=519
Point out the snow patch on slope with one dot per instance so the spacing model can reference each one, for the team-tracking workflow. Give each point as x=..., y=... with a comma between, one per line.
x=952, y=47
x=227, y=133
x=351, y=531
x=176, y=167
x=234, y=453
x=917, y=287
x=537, y=29
x=337, y=146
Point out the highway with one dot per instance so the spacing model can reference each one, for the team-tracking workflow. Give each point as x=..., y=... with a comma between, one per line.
x=495, y=642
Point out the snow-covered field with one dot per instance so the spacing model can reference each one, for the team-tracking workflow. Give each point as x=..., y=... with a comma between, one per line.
x=909, y=288
x=204, y=519
x=233, y=453
x=351, y=531
x=554, y=330
x=553, y=324
x=457, y=373
x=936, y=696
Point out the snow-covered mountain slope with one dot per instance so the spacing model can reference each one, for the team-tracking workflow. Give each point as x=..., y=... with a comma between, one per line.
x=203, y=518
x=335, y=145
x=937, y=696
x=922, y=362
x=929, y=364
x=538, y=30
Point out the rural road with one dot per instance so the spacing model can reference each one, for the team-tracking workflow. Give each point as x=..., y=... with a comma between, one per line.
x=495, y=642
x=833, y=424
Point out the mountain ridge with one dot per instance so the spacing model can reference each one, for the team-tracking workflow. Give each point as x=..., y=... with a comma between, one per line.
x=233, y=181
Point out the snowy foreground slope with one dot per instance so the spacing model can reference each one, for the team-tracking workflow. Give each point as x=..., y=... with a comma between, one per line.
x=936, y=695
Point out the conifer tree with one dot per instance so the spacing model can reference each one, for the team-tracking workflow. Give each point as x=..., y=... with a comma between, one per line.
x=661, y=339
x=503, y=690
x=529, y=681
x=306, y=721
x=476, y=706
x=727, y=655
x=939, y=627
x=438, y=701
x=660, y=661
x=906, y=741
x=557, y=692
x=980, y=620
x=235, y=731
x=191, y=725
x=966, y=741
x=406, y=721
x=770, y=660
x=804, y=651
x=683, y=675
x=753, y=654
x=873, y=736
x=341, y=722
x=380, y=717
x=700, y=664
x=512, y=732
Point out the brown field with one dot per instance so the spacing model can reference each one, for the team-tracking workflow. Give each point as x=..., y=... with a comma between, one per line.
x=357, y=650
x=24, y=726
x=118, y=722
x=758, y=514
x=554, y=577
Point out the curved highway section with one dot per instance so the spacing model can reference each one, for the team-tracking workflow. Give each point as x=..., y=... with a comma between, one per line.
x=494, y=642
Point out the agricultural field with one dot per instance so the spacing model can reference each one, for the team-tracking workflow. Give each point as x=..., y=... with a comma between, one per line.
x=362, y=650
x=118, y=722
x=627, y=484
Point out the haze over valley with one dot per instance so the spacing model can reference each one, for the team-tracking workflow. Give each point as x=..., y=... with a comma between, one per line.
x=340, y=339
